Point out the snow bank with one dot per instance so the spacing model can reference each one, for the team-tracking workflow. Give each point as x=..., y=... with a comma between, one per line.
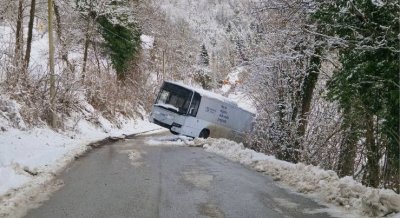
x=26, y=154
x=174, y=140
x=30, y=159
x=10, y=179
x=323, y=184
x=9, y=113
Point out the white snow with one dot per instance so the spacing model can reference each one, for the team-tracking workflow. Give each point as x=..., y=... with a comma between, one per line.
x=324, y=185
x=232, y=79
x=343, y=196
x=378, y=3
x=30, y=159
x=243, y=101
x=233, y=89
x=10, y=179
x=169, y=106
x=147, y=41
x=171, y=140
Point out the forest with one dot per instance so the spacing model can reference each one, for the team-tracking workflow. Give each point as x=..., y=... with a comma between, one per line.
x=322, y=74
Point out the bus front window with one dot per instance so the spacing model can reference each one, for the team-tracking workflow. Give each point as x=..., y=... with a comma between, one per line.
x=174, y=98
x=163, y=97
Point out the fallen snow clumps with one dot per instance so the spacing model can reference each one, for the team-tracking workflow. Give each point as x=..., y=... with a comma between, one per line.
x=325, y=184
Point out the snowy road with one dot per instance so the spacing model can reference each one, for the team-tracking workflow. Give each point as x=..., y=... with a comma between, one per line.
x=131, y=179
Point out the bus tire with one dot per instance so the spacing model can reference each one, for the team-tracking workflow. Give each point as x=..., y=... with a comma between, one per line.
x=205, y=133
x=173, y=132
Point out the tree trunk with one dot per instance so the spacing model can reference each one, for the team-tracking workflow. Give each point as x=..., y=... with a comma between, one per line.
x=372, y=178
x=391, y=171
x=348, y=149
x=18, y=32
x=307, y=91
x=64, y=50
x=284, y=151
x=53, y=115
x=310, y=81
x=14, y=76
x=29, y=39
x=92, y=17
x=96, y=54
x=392, y=167
x=86, y=48
x=57, y=20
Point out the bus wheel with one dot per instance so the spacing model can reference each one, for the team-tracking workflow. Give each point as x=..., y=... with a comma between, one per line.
x=173, y=132
x=204, y=133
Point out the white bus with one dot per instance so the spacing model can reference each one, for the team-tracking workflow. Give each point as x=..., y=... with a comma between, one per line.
x=199, y=113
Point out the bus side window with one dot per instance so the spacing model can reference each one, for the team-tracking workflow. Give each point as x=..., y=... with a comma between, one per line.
x=194, y=107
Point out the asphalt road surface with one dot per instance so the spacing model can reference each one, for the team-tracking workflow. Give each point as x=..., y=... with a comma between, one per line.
x=132, y=179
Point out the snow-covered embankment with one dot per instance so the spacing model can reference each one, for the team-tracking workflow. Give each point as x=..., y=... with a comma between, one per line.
x=324, y=185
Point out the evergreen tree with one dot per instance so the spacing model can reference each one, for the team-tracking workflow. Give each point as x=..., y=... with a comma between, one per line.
x=120, y=32
x=367, y=83
x=122, y=42
x=203, y=73
x=204, y=59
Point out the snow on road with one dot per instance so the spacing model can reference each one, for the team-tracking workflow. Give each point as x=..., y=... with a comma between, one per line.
x=325, y=186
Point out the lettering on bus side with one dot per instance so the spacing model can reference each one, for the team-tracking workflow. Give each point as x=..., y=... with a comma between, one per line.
x=210, y=110
x=223, y=117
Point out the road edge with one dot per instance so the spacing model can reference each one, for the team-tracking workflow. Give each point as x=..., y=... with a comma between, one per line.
x=17, y=202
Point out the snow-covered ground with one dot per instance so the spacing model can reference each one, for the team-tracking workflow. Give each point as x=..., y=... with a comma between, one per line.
x=41, y=150
x=343, y=196
x=30, y=158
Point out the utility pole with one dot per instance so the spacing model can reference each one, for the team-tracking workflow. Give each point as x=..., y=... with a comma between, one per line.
x=53, y=116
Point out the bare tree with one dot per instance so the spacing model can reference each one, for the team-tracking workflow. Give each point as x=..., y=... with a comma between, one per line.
x=53, y=115
x=29, y=39
x=18, y=39
x=19, y=28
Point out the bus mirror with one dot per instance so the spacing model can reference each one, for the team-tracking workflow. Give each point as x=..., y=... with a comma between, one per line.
x=191, y=110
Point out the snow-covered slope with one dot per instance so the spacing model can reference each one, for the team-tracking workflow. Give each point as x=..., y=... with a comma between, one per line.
x=212, y=22
x=31, y=157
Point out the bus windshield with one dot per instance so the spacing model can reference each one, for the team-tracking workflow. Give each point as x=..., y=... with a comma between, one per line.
x=174, y=98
